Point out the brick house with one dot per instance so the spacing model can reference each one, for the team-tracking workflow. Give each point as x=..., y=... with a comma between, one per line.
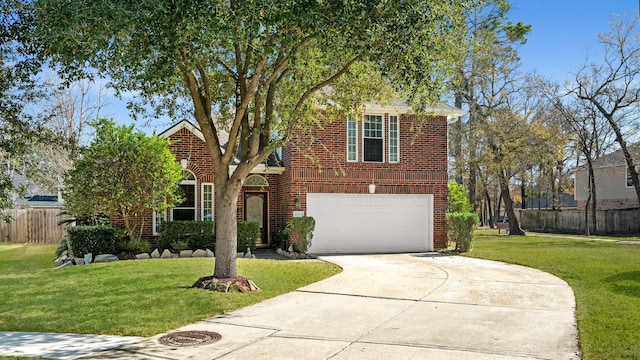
x=376, y=184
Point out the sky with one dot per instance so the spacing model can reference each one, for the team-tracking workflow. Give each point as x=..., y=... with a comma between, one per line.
x=564, y=32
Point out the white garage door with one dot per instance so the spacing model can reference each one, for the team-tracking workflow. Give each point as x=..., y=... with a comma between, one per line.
x=371, y=223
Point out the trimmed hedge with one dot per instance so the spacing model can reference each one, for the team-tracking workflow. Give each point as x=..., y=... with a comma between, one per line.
x=460, y=227
x=99, y=239
x=248, y=234
x=180, y=235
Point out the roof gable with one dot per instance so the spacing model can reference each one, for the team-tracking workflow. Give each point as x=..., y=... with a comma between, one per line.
x=183, y=124
x=616, y=158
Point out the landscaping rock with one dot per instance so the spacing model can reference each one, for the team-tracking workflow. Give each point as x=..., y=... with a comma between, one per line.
x=143, y=256
x=166, y=254
x=105, y=258
x=239, y=283
x=78, y=261
x=155, y=254
x=87, y=258
x=66, y=260
x=186, y=253
x=210, y=253
x=199, y=253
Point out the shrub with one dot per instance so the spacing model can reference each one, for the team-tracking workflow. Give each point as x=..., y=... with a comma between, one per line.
x=303, y=227
x=248, y=234
x=98, y=239
x=460, y=227
x=458, y=199
x=180, y=235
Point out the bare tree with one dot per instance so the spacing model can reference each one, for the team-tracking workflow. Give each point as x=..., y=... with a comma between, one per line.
x=590, y=137
x=67, y=110
x=612, y=86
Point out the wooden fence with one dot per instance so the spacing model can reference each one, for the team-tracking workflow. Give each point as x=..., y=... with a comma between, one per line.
x=573, y=221
x=33, y=225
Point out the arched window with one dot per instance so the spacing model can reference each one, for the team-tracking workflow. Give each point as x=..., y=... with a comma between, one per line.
x=187, y=209
x=256, y=181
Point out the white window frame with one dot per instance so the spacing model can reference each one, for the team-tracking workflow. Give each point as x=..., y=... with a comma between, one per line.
x=382, y=139
x=193, y=182
x=203, y=201
x=158, y=215
x=627, y=179
x=396, y=138
x=354, y=138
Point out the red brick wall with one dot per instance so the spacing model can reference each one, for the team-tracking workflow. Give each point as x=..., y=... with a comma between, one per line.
x=422, y=168
x=186, y=145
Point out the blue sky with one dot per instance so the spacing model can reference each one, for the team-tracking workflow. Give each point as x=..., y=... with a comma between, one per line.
x=565, y=32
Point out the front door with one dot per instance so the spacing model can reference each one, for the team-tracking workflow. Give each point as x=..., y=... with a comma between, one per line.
x=256, y=209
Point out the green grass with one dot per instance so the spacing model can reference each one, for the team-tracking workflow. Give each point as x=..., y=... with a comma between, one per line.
x=604, y=276
x=140, y=298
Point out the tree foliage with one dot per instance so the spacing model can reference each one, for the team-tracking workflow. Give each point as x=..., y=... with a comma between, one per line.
x=18, y=128
x=123, y=173
x=458, y=198
x=255, y=69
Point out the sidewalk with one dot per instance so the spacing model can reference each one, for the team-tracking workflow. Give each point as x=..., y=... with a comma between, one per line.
x=403, y=306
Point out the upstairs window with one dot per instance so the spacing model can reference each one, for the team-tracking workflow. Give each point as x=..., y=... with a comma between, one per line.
x=373, y=148
x=352, y=139
x=394, y=145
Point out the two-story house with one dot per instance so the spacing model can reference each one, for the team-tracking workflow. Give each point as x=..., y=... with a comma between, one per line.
x=374, y=184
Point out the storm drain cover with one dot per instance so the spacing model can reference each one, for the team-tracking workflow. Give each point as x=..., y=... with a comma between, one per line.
x=189, y=338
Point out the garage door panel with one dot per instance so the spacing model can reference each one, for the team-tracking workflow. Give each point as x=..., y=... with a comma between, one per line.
x=360, y=223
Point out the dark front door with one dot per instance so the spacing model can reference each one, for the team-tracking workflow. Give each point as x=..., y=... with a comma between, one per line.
x=256, y=209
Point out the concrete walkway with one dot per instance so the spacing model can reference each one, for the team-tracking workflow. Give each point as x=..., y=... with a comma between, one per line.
x=407, y=306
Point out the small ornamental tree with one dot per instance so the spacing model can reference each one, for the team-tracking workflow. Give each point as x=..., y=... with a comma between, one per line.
x=123, y=173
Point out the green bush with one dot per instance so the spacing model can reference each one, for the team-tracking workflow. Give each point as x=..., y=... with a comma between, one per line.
x=248, y=234
x=460, y=227
x=180, y=235
x=98, y=239
x=303, y=227
x=458, y=199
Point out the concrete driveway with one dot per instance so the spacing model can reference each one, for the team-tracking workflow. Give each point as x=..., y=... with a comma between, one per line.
x=403, y=306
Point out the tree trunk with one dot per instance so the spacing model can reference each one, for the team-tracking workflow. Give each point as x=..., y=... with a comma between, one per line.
x=523, y=193
x=592, y=196
x=457, y=141
x=627, y=156
x=226, y=229
x=514, y=226
x=490, y=211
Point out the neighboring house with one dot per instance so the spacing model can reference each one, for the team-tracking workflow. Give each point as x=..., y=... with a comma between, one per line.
x=545, y=202
x=30, y=195
x=614, y=189
x=376, y=184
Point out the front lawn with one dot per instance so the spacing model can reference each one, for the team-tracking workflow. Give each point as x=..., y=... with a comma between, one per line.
x=141, y=298
x=604, y=276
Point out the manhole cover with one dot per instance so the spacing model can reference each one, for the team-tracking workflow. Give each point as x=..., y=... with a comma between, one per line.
x=189, y=338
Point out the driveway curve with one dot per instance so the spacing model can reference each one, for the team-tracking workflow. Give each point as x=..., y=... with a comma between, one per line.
x=400, y=306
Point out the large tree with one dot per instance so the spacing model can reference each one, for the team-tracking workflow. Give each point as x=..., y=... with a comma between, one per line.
x=255, y=69
x=490, y=46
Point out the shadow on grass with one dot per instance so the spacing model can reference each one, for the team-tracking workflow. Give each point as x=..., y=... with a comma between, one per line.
x=627, y=283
